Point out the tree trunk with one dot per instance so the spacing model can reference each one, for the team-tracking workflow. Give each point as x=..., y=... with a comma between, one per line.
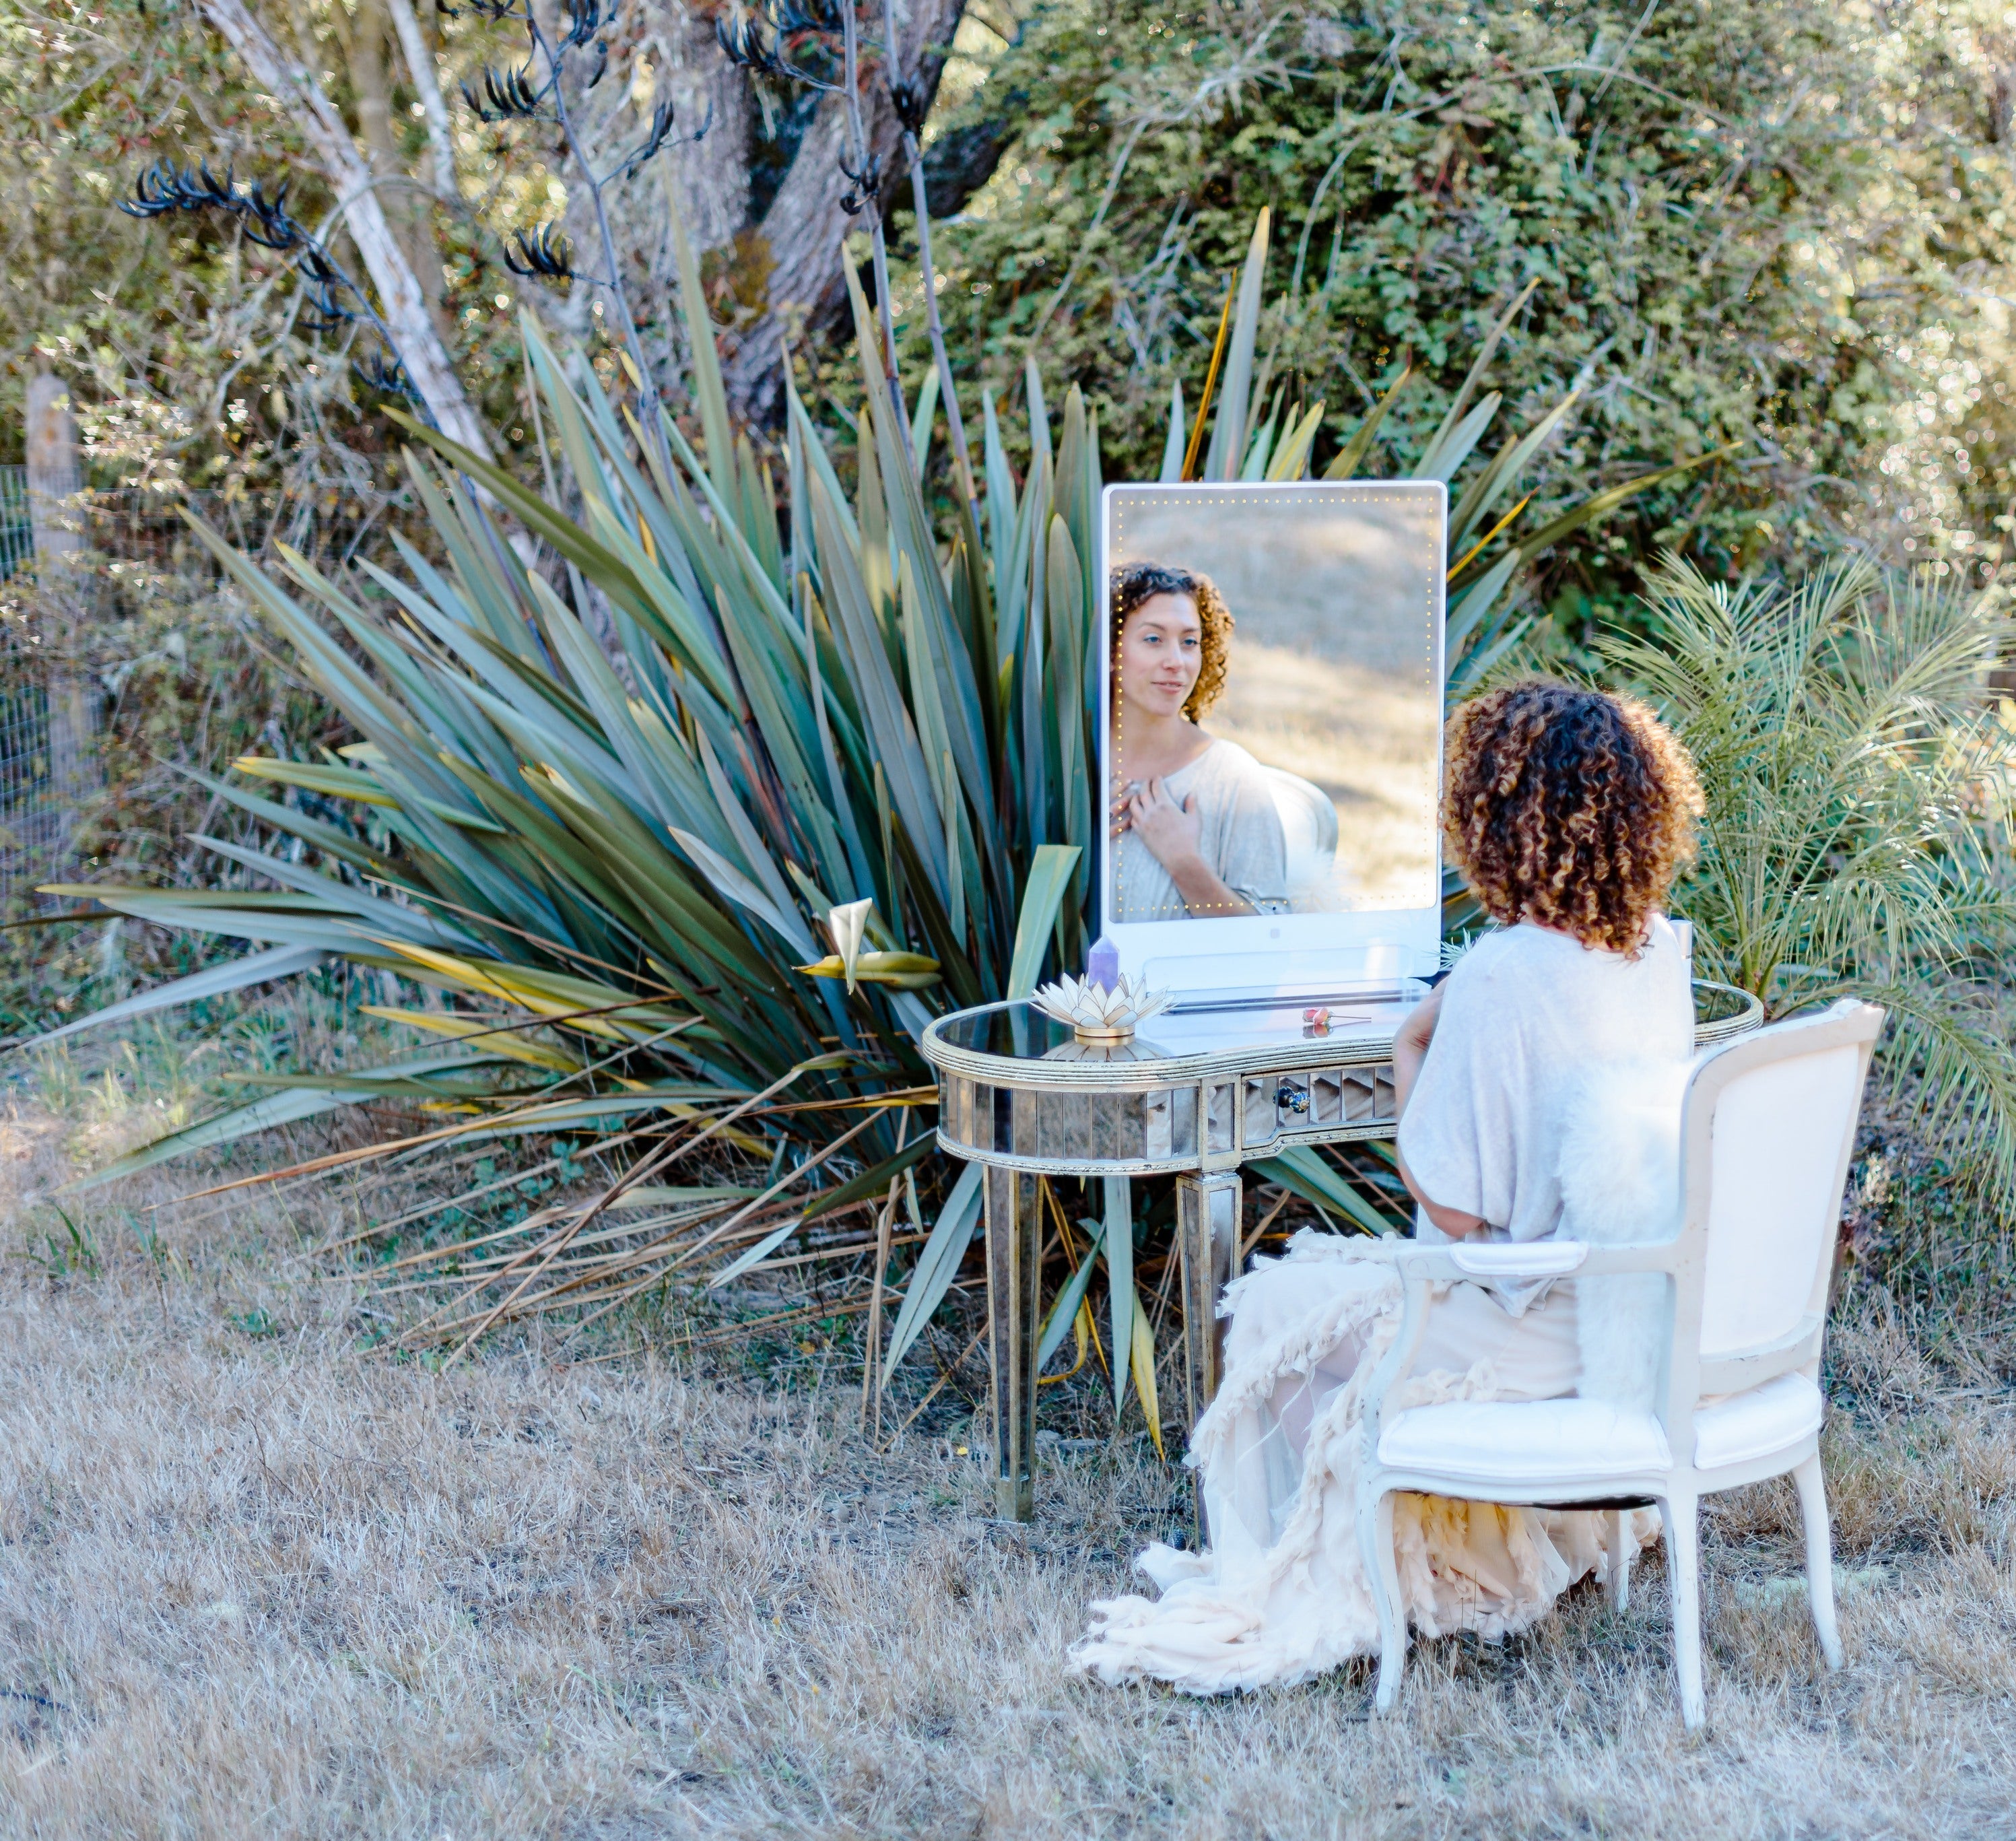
x=371, y=85
x=402, y=303
x=805, y=227
x=792, y=255
x=789, y=262
x=674, y=41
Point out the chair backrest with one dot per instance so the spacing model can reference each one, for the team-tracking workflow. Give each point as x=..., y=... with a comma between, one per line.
x=1766, y=1139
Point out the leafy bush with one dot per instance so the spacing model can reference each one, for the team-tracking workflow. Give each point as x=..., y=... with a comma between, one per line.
x=1765, y=222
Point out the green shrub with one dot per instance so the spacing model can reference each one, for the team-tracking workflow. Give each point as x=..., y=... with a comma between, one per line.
x=1854, y=842
x=1766, y=222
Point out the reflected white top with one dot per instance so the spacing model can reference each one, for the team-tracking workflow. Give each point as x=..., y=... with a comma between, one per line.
x=1240, y=837
x=1526, y=1014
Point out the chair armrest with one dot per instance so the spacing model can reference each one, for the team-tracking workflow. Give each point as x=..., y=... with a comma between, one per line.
x=1528, y=1258
x=1456, y=1260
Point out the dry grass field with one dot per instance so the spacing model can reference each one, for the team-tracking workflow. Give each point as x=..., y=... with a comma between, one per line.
x=258, y=1579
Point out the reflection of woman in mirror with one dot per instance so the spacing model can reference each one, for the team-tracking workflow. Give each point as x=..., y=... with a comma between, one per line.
x=1196, y=832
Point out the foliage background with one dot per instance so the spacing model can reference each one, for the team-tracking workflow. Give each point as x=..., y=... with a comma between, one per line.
x=1771, y=223
x=1765, y=221
x=183, y=344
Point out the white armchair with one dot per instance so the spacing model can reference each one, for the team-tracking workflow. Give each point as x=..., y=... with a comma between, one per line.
x=1766, y=1132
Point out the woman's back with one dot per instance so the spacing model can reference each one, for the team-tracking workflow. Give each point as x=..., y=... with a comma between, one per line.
x=1528, y=1015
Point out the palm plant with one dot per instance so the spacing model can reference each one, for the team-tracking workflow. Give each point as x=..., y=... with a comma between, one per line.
x=693, y=888
x=1856, y=789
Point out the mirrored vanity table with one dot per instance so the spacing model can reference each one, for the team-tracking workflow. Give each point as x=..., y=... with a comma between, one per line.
x=1196, y=1094
x=1269, y=706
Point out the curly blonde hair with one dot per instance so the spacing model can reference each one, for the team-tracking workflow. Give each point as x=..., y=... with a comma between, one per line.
x=1569, y=808
x=1133, y=583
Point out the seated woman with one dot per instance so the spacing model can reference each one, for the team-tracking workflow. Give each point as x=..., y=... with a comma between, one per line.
x=1567, y=812
x=1197, y=833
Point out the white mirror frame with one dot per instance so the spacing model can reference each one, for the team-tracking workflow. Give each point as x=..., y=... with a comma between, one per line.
x=1283, y=957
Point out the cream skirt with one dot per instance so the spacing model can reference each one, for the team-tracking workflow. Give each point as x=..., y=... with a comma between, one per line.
x=1281, y=1595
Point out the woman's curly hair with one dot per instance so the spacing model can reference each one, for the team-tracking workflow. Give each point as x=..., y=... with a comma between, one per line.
x=1133, y=583
x=1568, y=808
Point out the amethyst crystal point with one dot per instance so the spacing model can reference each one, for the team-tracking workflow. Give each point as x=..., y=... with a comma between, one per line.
x=1102, y=964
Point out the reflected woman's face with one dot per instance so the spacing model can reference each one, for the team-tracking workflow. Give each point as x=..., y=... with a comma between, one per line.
x=1161, y=651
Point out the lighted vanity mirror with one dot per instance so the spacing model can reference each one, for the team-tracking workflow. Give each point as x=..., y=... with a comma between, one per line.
x=1271, y=717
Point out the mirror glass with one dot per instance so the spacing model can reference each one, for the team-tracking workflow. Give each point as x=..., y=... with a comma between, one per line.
x=1273, y=700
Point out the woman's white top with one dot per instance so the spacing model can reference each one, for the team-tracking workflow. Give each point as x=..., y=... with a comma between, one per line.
x=1525, y=1012
x=1240, y=836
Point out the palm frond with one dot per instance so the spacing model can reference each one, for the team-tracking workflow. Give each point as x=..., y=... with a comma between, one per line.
x=1850, y=764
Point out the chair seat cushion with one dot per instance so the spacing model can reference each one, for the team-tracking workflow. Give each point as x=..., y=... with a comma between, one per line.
x=1588, y=1441
x=1743, y=1427
x=1562, y=1440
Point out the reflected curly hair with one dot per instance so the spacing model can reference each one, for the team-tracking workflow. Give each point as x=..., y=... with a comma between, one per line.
x=1568, y=808
x=1133, y=583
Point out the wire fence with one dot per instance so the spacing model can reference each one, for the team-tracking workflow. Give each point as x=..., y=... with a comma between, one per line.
x=44, y=768
x=46, y=717
x=76, y=566
x=124, y=536
x=17, y=529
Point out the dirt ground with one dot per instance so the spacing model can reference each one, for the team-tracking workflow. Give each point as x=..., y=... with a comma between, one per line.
x=259, y=1579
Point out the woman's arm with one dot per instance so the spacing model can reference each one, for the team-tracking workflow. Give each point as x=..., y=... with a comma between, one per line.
x=1410, y=1050
x=1410, y=1046
x=1172, y=834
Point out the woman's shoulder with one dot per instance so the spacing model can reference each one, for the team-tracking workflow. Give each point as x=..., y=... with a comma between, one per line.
x=1221, y=756
x=1497, y=971
x=1499, y=950
x=1662, y=936
x=1544, y=961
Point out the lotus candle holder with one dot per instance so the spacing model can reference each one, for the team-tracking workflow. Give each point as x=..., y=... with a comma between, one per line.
x=1098, y=1017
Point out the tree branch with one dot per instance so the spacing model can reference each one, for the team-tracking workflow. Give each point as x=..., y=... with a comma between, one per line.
x=401, y=304
x=420, y=66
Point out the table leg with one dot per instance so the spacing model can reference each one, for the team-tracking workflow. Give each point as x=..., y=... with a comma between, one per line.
x=1014, y=1248
x=1207, y=1240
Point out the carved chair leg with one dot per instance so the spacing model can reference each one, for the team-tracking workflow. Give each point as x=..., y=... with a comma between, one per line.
x=1620, y=1545
x=1682, y=1517
x=1382, y=1574
x=1819, y=1558
x=1015, y=1249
